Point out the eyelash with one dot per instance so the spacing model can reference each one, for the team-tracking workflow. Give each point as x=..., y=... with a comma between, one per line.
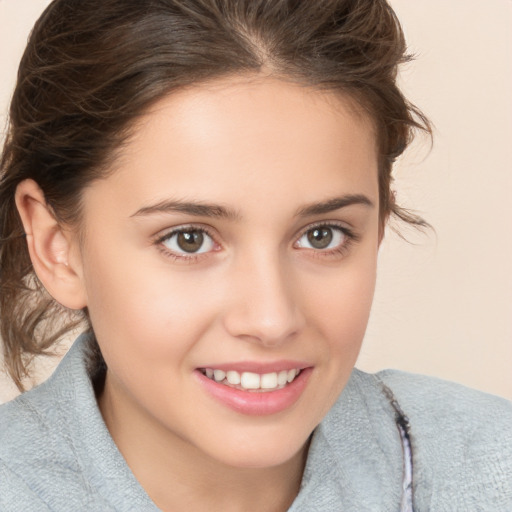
x=338, y=251
x=191, y=257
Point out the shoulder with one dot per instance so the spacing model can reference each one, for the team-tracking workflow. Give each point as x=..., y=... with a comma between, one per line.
x=461, y=440
x=56, y=452
x=32, y=448
x=40, y=465
x=37, y=423
x=436, y=399
x=27, y=420
x=16, y=493
x=447, y=409
x=31, y=423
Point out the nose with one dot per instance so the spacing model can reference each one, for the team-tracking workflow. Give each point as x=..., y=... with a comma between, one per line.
x=264, y=305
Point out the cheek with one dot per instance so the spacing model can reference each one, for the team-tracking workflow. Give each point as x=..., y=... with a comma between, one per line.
x=142, y=310
x=340, y=307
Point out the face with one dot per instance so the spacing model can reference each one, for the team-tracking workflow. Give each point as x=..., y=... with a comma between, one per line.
x=229, y=267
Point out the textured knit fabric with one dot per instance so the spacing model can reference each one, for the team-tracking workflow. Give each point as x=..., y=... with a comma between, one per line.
x=56, y=453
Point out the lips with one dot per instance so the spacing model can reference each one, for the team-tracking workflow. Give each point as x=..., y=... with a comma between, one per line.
x=255, y=392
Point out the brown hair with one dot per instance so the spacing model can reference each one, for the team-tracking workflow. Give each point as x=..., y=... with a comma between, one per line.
x=92, y=66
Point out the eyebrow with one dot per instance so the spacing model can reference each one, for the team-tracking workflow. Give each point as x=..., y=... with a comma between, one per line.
x=200, y=209
x=190, y=208
x=336, y=203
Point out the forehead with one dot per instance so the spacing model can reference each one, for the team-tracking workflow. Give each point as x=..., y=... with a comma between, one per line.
x=245, y=139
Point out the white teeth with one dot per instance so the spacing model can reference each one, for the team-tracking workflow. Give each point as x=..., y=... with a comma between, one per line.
x=219, y=375
x=250, y=380
x=268, y=381
x=282, y=378
x=253, y=381
x=233, y=377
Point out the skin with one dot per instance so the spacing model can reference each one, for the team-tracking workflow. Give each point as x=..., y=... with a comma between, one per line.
x=264, y=150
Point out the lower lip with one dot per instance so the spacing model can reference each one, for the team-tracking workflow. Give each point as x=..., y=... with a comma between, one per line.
x=257, y=403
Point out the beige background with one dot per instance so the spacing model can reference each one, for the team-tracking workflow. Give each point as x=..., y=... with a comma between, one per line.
x=443, y=305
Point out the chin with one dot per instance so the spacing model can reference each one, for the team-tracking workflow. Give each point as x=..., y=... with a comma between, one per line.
x=261, y=455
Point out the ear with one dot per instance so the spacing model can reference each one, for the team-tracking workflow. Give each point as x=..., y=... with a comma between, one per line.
x=53, y=249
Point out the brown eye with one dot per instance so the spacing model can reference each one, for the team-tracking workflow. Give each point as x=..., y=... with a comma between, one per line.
x=320, y=238
x=188, y=241
x=323, y=237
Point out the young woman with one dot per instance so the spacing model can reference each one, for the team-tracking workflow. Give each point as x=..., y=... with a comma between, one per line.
x=205, y=184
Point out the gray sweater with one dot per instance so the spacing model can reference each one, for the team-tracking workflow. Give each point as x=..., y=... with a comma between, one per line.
x=56, y=453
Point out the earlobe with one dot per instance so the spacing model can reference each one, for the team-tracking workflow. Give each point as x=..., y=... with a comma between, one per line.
x=50, y=247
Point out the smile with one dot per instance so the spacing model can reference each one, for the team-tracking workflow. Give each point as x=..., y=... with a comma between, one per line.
x=249, y=381
x=252, y=392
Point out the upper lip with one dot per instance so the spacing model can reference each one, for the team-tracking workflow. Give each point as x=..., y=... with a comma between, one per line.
x=259, y=367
